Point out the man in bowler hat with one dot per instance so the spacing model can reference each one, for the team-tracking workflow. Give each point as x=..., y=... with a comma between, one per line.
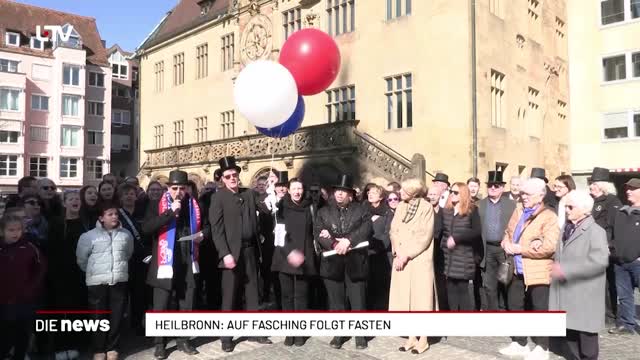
x=341, y=226
x=550, y=200
x=233, y=217
x=174, y=264
x=605, y=205
x=495, y=211
x=441, y=180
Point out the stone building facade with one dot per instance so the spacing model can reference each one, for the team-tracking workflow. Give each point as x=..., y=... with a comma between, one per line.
x=466, y=85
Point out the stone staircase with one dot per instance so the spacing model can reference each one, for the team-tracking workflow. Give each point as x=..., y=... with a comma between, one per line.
x=340, y=140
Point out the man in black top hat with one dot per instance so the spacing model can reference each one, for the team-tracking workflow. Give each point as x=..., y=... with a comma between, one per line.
x=341, y=226
x=235, y=233
x=174, y=264
x=550, y=199
x=495, y=211
x=605, y=204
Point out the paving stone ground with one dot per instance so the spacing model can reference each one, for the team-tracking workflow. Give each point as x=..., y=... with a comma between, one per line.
x=384, y=348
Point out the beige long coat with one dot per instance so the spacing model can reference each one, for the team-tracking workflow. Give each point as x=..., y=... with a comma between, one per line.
x=413, y=288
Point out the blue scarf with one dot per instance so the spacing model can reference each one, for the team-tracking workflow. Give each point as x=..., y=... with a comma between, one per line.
x=518, y=232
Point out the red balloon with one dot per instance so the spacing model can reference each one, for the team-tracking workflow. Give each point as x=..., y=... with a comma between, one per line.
x=313, y=58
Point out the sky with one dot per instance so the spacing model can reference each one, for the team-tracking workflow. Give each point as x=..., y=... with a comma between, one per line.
x=122, y=22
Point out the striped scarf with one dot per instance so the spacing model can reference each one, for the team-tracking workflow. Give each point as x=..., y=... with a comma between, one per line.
x=167, y=238
x=414, y=204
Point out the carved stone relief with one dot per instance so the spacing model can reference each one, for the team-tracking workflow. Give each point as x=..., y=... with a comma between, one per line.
x=257, y=39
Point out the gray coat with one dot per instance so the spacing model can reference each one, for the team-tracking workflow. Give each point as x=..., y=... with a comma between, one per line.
x=507, y=206
x=583, y=258
x=104, y=256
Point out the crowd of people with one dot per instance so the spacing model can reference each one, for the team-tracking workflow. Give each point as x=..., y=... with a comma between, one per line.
x=120, y=250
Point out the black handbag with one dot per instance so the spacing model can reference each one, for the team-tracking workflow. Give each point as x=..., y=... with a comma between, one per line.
x=505, y=271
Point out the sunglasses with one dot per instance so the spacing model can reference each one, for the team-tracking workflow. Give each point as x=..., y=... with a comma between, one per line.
x=494, y=186
x=47, y=188
x=455, y=192
x=229, y=176
x=32, y=202
x=570, y=207
x=393, y=199
x=176, y=188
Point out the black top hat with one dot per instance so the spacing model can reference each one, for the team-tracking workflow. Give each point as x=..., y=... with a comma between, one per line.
x=228, y=163
x=539, y=173
x=442, y=178
x=283, y=177
x=599, y=174
x=344, y=182
x=495, y=177
x=178, y=177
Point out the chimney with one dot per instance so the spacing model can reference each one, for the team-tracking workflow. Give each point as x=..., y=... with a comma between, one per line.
x=104, y=43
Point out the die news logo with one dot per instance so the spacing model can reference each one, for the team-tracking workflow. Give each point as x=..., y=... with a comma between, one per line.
x=50, y=32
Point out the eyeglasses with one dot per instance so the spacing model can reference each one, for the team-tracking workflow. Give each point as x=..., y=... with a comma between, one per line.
x=393, y=199
x=229, y=176
x=494, y=186
x=32, y=202
x=178, y=188
x=455, y=192
x=47, y=188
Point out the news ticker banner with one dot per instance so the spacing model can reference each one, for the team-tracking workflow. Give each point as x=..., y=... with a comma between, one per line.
x=187, y=324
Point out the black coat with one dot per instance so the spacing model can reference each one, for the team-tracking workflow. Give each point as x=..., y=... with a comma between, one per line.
x=461, y=261
x=603, y=207
x=380, y=242
x=355, y=226
x=225, y=216
x=297, y=221
x=183, y=276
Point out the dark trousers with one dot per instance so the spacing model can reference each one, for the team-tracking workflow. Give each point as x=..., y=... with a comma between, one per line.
x=627, y=278
x=181, y=299
x=16, y=323
x=140, y=294
x=317, y=294
x=295, y=292
x=243, y=279
x=458, y=294
x=537, y=296
x=611, y=295
x=582, y=345
x=493, y=290
x=269, y=278
x=379, y=281
x=479, y=297
x=441, y=289
x=347, y=292
x=114, y=299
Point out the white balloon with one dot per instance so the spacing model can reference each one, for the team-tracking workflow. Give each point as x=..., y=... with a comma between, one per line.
x=265, y=93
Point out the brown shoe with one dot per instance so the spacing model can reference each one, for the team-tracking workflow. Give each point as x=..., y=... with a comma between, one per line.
x=112, y=355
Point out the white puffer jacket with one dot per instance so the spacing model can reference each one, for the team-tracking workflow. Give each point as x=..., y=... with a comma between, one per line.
x=104, y=256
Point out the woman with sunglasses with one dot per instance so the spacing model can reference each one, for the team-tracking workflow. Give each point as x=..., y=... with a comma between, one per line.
x=52, y=205
x=36, y=226
x=412, y=280
x=380, y=256
x=461, y=243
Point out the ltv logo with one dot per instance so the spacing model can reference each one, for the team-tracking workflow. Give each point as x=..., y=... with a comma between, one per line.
x=52, y=31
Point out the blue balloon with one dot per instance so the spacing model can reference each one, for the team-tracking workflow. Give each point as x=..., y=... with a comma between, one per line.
x=288, y=127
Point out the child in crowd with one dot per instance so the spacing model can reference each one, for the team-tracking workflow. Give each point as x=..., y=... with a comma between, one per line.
x=103, y=254
x=22, y=270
